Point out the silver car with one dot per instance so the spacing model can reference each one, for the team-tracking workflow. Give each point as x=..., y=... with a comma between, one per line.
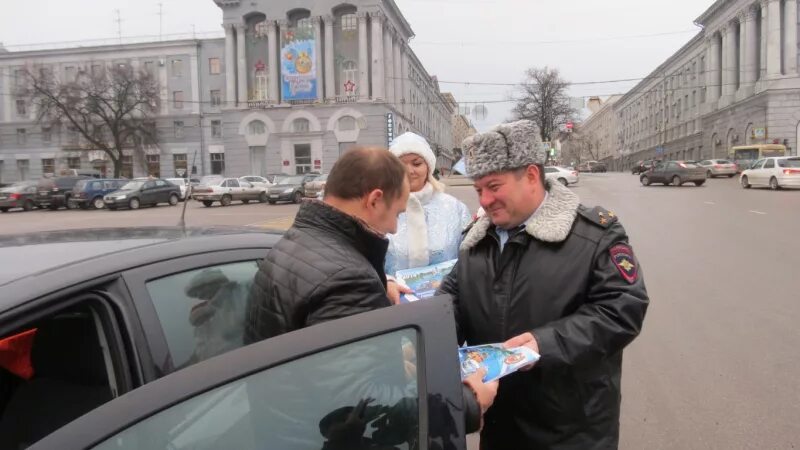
x=561, y=175
x=718, y=168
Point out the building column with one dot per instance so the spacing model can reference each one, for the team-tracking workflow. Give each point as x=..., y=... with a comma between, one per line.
x=724, y=64
x=273, y=63
x=406, y=80
x=378, y=85
x=230, y=65
x=742, y=46
x=397, y=59
x=713, y=71
x=388, y=60
x=750, y=64
x=790, y=38
x=733, y=56
x=773, y=38
x=318, y=58
x=363, y=57
x=330, y=63
x=241, y=56
x=762, y=64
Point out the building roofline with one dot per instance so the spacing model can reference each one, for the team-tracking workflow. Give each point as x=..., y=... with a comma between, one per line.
x=396, y=10
x=56, y=51
x=711, y=11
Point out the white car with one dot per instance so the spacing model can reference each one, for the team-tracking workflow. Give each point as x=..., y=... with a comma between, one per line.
x=718, y=168
x=182, y=183
x=561, y=175
x=256, y=181
x=777, y=172
x=227, y=190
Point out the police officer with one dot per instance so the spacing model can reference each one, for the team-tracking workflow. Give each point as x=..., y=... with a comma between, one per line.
x=541, y=270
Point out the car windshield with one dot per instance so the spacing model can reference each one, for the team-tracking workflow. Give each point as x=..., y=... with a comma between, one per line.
x=291, y=180
x=723, y=161
x=211, y=181
x=132, y=185
x=790, y=163
x=81, y=184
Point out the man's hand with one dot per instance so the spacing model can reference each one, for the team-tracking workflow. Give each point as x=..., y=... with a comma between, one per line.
x=484, y=392
x=394, y=290
x=524, y=340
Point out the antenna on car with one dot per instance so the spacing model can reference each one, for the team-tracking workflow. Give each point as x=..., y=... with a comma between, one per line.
x=182, y=222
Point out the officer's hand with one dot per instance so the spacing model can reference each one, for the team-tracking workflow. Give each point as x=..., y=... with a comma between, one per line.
x=394, y=290
x=484, y=392
x=524, y=340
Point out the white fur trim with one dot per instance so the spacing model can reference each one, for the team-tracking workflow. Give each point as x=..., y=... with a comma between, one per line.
x=410, y=143
x=418, y=255
x=552, y=222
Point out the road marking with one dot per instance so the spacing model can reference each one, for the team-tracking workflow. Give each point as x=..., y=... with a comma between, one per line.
x=758, y=212
x=709, y=203
x=282, y=223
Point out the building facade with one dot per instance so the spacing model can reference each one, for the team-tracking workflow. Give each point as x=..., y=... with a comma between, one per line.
x=735, y=83
x=292, y=86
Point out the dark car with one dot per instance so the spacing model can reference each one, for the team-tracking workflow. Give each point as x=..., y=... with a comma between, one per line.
x=20, y=195
x=597, y=167
x=289, y=189
x=55, y=193
x=90, y=193
x=642, y=167
x=139, y=193
x=136, y=337
x=674, y=173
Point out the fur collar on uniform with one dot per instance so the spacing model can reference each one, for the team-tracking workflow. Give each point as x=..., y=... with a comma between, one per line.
x=552, y=222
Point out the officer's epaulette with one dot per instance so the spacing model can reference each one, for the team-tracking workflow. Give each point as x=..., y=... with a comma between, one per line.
x=598, y=215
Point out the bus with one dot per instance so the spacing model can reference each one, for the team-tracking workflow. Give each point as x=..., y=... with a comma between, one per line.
x=744, y=156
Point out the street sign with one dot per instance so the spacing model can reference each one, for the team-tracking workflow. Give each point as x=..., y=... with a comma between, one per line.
x=389, y=129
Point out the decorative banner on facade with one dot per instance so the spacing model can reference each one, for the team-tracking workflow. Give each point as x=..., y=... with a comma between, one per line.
x=299, y=66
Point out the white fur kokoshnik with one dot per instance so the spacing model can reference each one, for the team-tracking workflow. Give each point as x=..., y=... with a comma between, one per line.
x=505, y=147
x=410, y=143
x=552, y=222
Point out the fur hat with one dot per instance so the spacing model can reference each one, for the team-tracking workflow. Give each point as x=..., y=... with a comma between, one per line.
x=410, y=143
x=505, y=147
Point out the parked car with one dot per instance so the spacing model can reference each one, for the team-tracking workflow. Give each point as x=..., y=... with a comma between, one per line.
x=674, y=172
x=139, y=193
x=597, y=167
x=718, y=168
x=204, y=180
x=55, y=193
x=642, y=167
x=315, y=186
x=21, y=195
x=182, y=183
x=776, y=173
x=273, y=177
x=132, y=355
x=561, y=175
x=91, y=173
x=89, y=193
x=257, y=181
x=227, y=190
x=289, y=189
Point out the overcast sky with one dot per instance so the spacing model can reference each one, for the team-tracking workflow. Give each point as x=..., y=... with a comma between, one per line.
x=480, y=41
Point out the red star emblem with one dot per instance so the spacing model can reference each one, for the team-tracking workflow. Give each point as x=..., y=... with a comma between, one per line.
x=349, y=86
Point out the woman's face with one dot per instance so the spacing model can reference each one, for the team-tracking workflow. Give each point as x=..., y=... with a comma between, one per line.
x=417, y=171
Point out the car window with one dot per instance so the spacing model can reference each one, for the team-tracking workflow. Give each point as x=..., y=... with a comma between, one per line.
x=161, y=183
x=109, y=185
x=758, y=164
x=792, y=162
x=149, y=185
x=356, y=393
x=770, y=164
x=672, y=165
x=550, y=170
x=202, y=311
x=724, y=161
x=233, y=183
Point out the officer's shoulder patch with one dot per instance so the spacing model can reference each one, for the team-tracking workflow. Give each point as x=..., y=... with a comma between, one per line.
x=598, y=215
x=622, y=257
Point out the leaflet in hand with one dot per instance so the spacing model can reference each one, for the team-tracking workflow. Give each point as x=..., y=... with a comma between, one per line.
x=497, y=361
x=424, y=281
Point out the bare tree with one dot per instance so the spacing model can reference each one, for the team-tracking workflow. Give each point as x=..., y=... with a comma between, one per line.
x=109, y=110
x=544, y=100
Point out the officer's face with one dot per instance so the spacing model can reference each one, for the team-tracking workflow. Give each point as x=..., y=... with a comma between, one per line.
x=510, y=198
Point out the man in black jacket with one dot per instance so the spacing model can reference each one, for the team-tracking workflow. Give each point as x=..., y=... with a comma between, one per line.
x=541, y=270
x=329, y=264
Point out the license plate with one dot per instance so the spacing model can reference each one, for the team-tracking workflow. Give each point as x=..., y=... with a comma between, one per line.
x=274, y=196
x=3, y=198
x=43, y=193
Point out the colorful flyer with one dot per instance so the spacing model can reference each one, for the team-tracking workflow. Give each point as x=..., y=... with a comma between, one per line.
x=497, y=361
x=424, y=281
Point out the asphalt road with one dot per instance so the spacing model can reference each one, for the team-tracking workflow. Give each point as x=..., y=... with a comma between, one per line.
x=717, y=363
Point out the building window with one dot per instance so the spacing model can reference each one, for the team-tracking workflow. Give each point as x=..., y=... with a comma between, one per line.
x=22, y=136
x=178, y=129
x=261, y=85
x=216, y=128
x=302, y=158
x=23, y=169
x=181, y=164
x=177, y=99
x=214, y=66
x=216, y=98
x=256, y=127
x=69, y=74
x=22, y=109
x=217, y=163
x=126, y=166
x=349, y=22
x=177, y=67
x=74, y=162
x=154, y=165
x=47, y=134
x=301, y=126
x=97, y=70
x=150, y=67
x=347, y=123
x=48, y=165
x=19, y=77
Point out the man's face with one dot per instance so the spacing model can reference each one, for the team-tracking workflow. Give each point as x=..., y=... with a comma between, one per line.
x=510, y=198
x=383, y=212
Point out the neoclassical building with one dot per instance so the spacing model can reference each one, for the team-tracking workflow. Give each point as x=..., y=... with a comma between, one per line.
x=292, y=86
x=735, y=83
